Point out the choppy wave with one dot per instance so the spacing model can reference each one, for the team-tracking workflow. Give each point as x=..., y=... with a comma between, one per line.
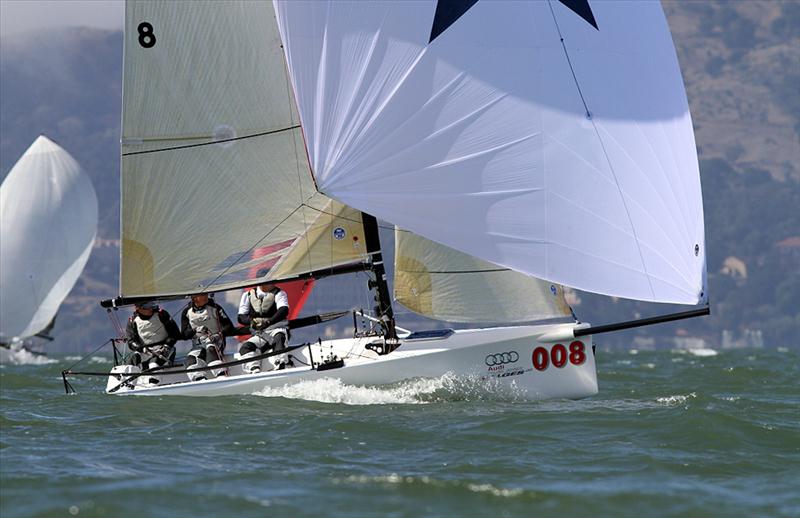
x=676, y=400
x=714, y=436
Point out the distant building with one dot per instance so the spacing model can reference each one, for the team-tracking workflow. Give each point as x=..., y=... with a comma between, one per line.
x=688, y=342
x=789, y=251
x=647, y=343
x=748, y=338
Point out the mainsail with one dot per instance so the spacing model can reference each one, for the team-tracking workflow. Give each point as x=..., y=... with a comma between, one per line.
x=445, y=284
x=215, y=176
x=48, y=222
x=553, y=137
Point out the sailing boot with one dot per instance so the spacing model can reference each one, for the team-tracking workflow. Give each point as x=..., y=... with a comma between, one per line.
x=194, y=361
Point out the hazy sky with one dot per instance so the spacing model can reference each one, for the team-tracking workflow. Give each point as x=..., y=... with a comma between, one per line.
x=18, y=16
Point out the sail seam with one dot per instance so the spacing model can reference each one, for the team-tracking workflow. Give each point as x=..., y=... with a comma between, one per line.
x=605, y=152
x=221, y=141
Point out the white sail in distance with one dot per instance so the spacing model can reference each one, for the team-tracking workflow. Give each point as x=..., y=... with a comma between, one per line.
x=48, y=223
x=553, y=138
x=216, y=185
x=445, y=284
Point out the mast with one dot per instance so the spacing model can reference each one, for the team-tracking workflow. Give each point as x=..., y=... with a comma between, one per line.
x=383, y=308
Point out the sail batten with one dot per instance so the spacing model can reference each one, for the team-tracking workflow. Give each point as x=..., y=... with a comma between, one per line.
x=575, y=131
x=129, y=140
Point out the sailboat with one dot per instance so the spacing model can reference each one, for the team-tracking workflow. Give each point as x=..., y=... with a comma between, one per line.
x=48, y=223
x=517, y=147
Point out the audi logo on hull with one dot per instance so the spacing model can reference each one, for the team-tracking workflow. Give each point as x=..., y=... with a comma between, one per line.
x=502, y=358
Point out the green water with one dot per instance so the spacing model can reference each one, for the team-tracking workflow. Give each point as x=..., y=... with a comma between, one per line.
x=670, y=434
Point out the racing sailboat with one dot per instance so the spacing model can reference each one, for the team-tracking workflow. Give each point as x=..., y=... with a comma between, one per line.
x=48, y=222
x=517, y=146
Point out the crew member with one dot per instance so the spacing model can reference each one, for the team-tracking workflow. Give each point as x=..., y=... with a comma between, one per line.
x=151, y=334
x=265, y=309
x=206, y=324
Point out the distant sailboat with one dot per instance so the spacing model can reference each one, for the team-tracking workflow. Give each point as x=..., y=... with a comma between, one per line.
x=48, y=222
x=517, y=146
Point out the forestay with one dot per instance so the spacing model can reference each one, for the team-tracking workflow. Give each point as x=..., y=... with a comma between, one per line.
x=215, y=178
x=550, y=137
x=48, y=222
x=445, y=284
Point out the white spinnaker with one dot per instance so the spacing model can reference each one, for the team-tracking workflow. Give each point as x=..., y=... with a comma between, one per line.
x=481, y=140
x=48, y=222
x=445, y=284
x=215, y=178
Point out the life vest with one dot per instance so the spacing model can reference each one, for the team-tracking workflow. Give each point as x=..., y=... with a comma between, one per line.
x=207, y=316
x=263, y=308
x=152, y=330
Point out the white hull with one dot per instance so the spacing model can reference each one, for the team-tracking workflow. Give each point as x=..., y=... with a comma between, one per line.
x=465, y=353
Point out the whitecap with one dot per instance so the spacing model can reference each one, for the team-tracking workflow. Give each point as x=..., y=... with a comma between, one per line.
x=703, y=352
x=676, y=400
x=496, y=491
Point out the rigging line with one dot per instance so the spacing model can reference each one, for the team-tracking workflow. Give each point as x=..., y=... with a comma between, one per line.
x=221, y=141
x=605, y=152
x=89, y=354
x=223, y=272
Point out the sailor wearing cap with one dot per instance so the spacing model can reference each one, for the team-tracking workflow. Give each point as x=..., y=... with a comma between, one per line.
x=265, y=309
x=151, y=334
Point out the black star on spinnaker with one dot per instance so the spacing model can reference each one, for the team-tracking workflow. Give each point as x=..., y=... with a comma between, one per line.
x=448, y=11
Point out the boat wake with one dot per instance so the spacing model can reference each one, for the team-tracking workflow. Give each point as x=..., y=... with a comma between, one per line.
x=411, y=392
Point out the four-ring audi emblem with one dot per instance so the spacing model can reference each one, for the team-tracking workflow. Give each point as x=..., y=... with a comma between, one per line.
x=501, y=358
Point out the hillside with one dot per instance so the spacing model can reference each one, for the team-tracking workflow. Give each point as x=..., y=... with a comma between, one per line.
x=741, y=66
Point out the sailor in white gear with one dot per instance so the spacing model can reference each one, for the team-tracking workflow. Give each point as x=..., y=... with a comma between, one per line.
x=206, y=324
x=151, y=334
x=266, y=310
